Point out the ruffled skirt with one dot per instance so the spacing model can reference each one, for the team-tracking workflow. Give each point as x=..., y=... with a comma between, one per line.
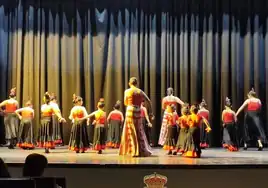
x=114, y=134
x=25, y=138
x=45, y=135
x=79, y=138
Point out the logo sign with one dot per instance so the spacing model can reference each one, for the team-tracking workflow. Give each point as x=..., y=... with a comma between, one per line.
x=155, y=181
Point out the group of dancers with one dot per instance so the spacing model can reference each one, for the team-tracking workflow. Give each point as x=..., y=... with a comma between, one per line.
x=187, y=134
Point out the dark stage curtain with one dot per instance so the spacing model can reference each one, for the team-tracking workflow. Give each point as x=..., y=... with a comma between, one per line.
x=203, y=48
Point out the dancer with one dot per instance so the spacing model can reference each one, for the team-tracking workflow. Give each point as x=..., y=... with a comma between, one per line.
x=133, y=140
x=147, y=125
x=192, y=146
x=182, y=122
x=230, y=140
x=252, y=125
x=26, y=115
x=57, y=126
x=115, y=121
x=203, y=133
x=79, y=138
x=172, y=118
x=45, y=136
x=10, y=119
x=167, y=101
x=99, y=123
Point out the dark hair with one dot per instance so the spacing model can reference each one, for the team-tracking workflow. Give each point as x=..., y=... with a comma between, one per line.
x=35, y=165
x=228, y=102
x=170, y=91
x=3, y=170
x=252, y=93
x=76, y=99
x=101, y=103
x=133, y=81
x=173, y=107
x=53, y=97
x=117, y=105
x=12, y=93
x=47, y=98
x=185, y=109
x=28, y=103
x=203, y=103
x=194, y=109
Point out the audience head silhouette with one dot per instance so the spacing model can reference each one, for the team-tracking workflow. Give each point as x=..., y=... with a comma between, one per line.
x=35, y=165
x=3, y=170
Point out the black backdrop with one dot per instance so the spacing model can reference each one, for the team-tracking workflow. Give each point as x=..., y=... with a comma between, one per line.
x=203, y=48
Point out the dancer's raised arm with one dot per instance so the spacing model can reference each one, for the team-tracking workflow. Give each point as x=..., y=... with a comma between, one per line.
x=242, y=107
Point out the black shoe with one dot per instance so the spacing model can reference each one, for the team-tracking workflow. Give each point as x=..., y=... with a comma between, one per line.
x=260, y=148
x=10, y=146
x=174, y=153
x=77, y=151
x=100, y=152
x=170, y=153
x=46, y=150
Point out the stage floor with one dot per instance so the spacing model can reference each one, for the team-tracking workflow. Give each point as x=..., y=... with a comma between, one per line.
x=110, y=157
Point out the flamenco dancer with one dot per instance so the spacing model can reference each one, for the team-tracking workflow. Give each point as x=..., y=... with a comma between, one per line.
x=57, y=126
x=252, y=125
x=10, y=120
x=172, y=118
x=147, y=125
x=182, y=122
x=203, y=133
x=133, y=140
x=115, y=121
x=192, y=146
x=230, y=140
x=26, y=115
x=99, y=123
x=167, y=101
x=79, y=138
x=45, y=136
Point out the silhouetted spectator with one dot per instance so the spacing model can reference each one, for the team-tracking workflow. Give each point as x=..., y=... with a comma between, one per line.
x=3, y=170
x=35, y=165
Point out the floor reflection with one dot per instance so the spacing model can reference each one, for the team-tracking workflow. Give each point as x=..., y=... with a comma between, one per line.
x=110, y=156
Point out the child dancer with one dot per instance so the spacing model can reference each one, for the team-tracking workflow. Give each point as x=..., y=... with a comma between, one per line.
x=172, y=118
x=252, y=125
x=115, y=121
x=11, y=120
x=79, y=138
x=229, y=133
x=26, y=115
x=203, y=133
x=57, y=126
x=182, y=122
x=99, y=123
x=192, y=146
x=45, y=136
x=147, y=125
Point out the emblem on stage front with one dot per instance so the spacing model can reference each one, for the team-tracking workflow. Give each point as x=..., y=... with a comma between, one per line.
x=155, y=181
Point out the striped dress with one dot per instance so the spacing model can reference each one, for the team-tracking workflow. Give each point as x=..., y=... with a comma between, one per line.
x=133, y=140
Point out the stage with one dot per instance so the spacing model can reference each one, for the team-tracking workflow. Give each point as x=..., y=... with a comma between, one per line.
x=110, y=158
x=217, y=166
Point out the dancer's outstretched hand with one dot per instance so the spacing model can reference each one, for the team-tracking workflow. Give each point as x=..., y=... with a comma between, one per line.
x=208, y=129
x=152, y=116
x=150, y=125
x=62, y=120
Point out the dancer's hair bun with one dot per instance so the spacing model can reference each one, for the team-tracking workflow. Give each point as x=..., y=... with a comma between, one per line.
x=12, y=93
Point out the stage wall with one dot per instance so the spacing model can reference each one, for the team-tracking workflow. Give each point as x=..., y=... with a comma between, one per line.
x=133, y=177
